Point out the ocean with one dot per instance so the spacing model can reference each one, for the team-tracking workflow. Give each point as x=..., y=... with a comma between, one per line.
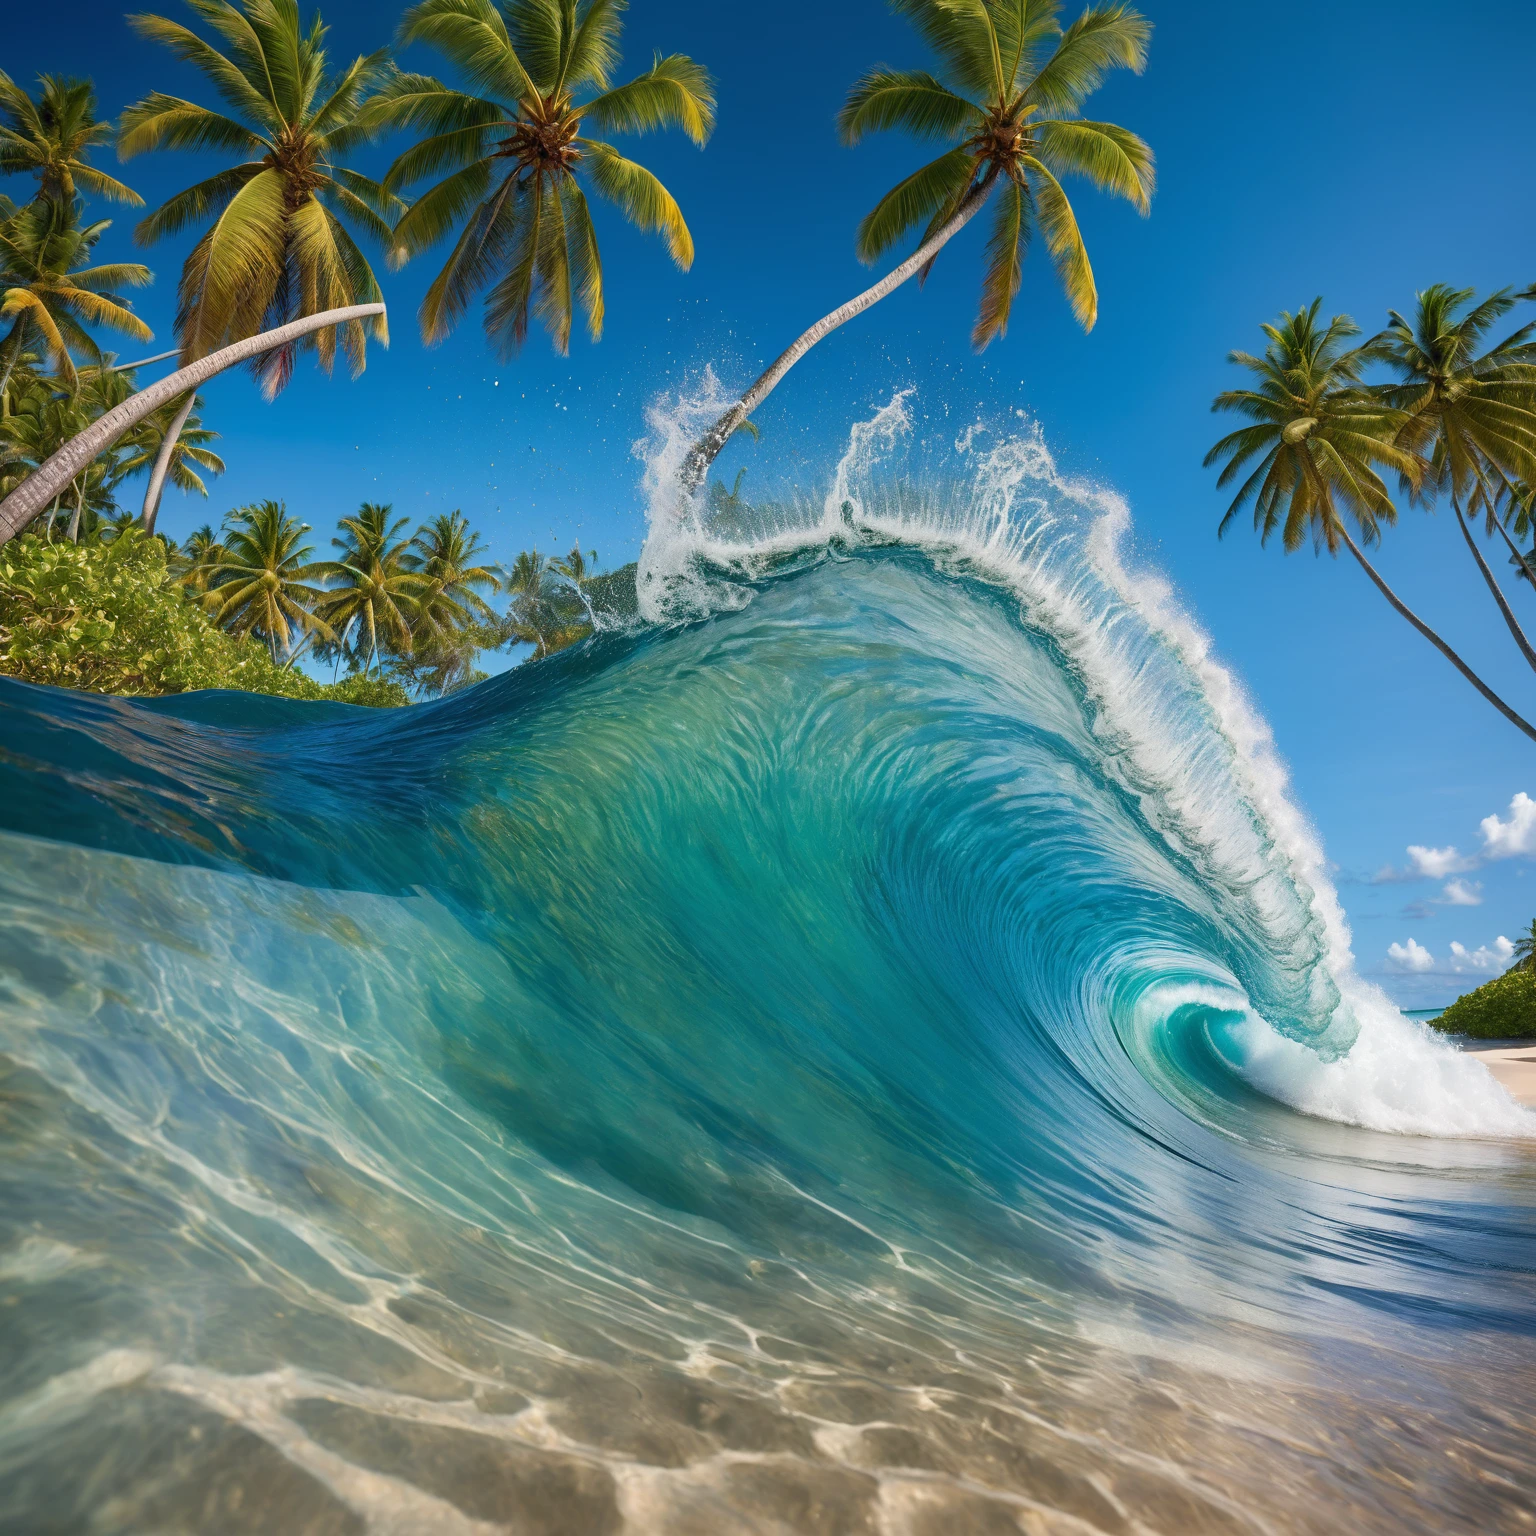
x=865, y=1043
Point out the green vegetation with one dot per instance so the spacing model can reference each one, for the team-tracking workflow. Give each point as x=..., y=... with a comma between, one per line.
x=1457, y=418
x=51, y=138
x=125, y=612
x=518, y=155
x=1501, y=1009
x=109, y=617
x=51, y=291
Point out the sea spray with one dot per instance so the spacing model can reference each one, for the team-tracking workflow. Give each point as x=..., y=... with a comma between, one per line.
x=999, y=508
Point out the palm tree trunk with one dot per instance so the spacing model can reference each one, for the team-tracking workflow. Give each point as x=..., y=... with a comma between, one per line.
x=14, y=344
x=704, y=452
x=1434, y=639
x=1493, y=587
x=163, y=462
x=73, y=535
x=1514, y=549
x=34, y=493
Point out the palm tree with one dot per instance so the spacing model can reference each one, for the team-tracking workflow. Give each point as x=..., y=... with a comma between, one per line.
x=528, y=620
x=188, y=439
x=441, y=661
x=1472, y=412
x=446, y=555
x=577, y=568
x=49, y=289
x=197, y=560
x=1515, y=507
x=50, y=138
x=264, y=580
x=42, y=418
x=519, y=153
x=1008, y=103
x=1525, y=950
x=376, y=589
x=276, y=246
x=1319, y=434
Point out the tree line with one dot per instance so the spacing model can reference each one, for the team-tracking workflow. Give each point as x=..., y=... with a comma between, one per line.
x=417, y=609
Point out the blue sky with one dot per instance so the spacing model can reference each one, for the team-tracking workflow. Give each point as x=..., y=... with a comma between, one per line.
x=1358, y=150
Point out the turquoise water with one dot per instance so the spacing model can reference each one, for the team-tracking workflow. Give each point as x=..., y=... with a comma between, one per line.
x=868, y=1045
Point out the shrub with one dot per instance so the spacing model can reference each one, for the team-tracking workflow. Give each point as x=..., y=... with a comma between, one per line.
x=1501, y=1009
x=102, y=618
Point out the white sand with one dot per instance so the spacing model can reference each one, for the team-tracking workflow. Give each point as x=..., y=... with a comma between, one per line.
x=1513, y=1063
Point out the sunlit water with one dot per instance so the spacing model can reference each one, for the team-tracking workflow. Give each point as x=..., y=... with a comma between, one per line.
x=867, y=1047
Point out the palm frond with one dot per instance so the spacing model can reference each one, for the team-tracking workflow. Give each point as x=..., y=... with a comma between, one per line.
x=486, y=239
x=1005, y=262
x=507, y=305
x=195, y=204
x=105, y=186
x=1114, y=159
x=594, y=51
x=435, y=213
x=542, y=32
x=909, y=99
x=236, y=266
x=1065, y=242
x=673, y=93
x=639, y=195
x=913, y=199
x=473, y=34
x=1101, y=39
x=168, y=122
x=586, y=264
x=224, y=75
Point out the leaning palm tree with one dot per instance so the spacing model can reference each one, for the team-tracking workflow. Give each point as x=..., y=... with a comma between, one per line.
x=375, y=591
x=48, y=291
x=518, y=147
x=1007, y=102
x=1471, y=411
x=50, y=138
x=264, y=579
x=1319, y=435
x=277, y=244
x=447, y=555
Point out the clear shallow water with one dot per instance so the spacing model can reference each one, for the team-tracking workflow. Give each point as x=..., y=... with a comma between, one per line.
x=870, y=1049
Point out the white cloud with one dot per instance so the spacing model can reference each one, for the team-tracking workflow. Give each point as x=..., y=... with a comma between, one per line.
x=1462, y=893
x=1411, y=956
x=1512, y=838
x=1485, y=960
x=1437, y=863
x=1482, y=959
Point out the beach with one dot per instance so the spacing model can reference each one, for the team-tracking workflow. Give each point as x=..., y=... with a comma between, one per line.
x=1513, y=1063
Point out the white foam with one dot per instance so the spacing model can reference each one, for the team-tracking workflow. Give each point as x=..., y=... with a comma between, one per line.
x=1219, y=795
